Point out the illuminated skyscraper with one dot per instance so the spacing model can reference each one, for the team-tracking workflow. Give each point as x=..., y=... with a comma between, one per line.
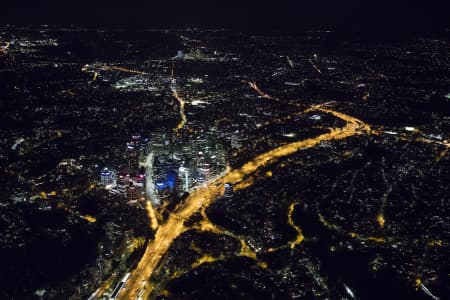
x=204, y=171
x=108, y=177
x=183, y=174
x=228, y=190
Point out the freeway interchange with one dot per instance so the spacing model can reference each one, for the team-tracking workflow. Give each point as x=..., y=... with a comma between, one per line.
x=137, y=286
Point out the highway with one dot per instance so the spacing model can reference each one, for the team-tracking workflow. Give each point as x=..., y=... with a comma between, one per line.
x=167, y=232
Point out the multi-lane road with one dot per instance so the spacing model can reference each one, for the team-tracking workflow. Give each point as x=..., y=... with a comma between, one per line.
x=137, y=285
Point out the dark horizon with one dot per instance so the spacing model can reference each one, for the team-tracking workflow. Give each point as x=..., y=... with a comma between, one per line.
x=285, y=15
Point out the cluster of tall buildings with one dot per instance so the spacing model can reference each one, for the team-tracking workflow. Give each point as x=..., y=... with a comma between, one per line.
x=164, y=165
x=180, y=164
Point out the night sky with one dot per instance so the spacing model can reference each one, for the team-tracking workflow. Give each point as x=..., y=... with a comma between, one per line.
x=272, y=15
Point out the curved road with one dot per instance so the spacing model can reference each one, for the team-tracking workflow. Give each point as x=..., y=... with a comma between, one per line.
x=167, y=232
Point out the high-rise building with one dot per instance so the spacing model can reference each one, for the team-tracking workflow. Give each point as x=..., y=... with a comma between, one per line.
x=228, y=190
x=203, y=171
x=171, y=180
x=108, y=177
x=184, y=177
